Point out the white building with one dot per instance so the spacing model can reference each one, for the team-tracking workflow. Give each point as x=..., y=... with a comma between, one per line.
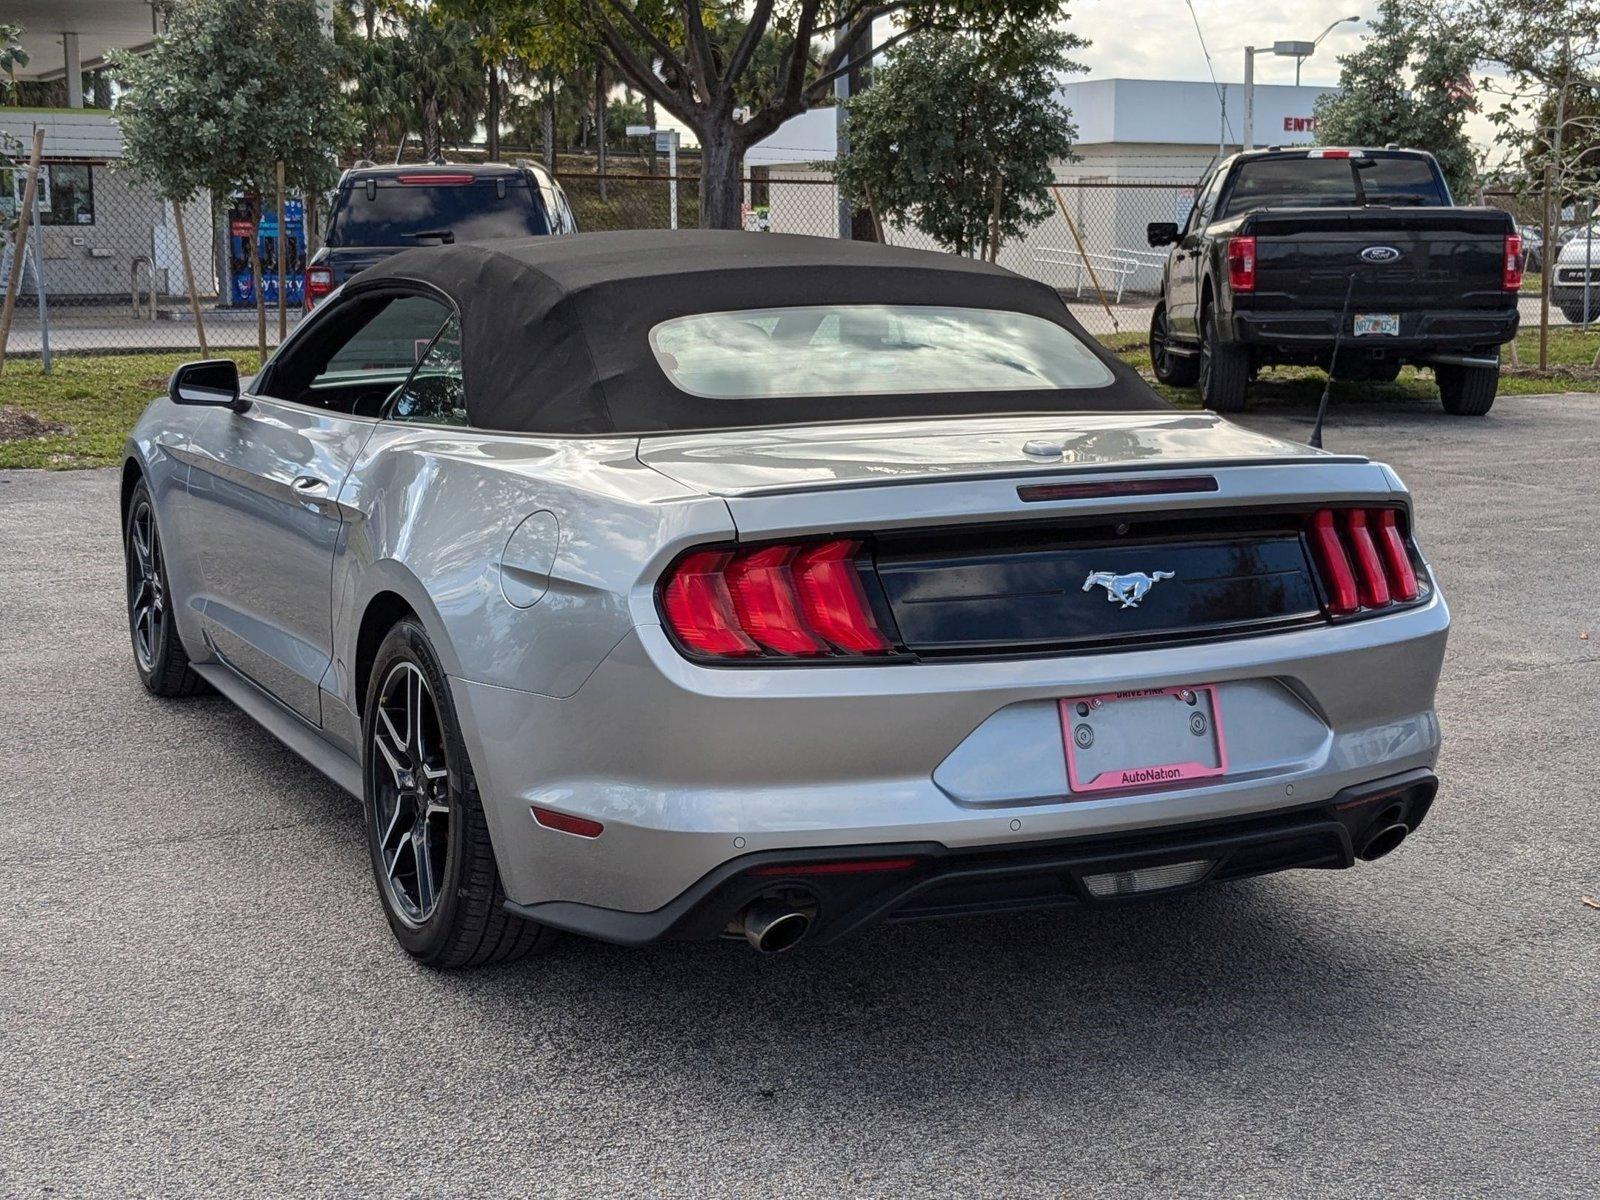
x=1140, y=146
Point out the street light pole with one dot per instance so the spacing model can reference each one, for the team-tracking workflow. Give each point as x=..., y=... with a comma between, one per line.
x=1249, y=98
x=1299, y=51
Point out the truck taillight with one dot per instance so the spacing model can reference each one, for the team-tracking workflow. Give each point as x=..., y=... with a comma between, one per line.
x=786, y=600
x=1362, y=559
x=1242, y=264
x=319, y=282
x=1513, y=276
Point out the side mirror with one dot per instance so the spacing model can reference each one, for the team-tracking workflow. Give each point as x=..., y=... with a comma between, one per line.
x=1161, y=233
x=214, y=382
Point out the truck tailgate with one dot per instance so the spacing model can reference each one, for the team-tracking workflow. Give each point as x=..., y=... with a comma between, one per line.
x=1451, y=258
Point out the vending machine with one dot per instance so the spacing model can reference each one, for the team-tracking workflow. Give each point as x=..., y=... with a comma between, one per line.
x=241, y=292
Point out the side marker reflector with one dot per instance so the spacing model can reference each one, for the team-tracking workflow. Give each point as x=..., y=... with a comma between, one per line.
x=567, y=823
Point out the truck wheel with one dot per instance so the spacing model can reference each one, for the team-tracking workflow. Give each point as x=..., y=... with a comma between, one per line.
x=1224, y=371
x=1467, y=391
x=1176, y=370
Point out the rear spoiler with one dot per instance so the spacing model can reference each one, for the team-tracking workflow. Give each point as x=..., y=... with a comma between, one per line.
x=1281, y=221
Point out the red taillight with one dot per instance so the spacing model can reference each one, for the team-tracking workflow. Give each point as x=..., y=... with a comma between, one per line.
x=859, y=866
x=319, y=282
x=1242, y=264
x=781, y=600
x=1363, y=559
x=1513, y=276
x=1371, y=584
x=764, y=598
x=700, y=610
x=833, y=601
x=1396, y=558
x=1334, y=564
x=435, y=179
x=567, y=823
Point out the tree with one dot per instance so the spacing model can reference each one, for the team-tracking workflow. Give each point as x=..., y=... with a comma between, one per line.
x=1410, y=83
x=669, y=53
x=12, y=55
x=437, y=76
x=961, y=147
x=1550, y=53
x=228, y=91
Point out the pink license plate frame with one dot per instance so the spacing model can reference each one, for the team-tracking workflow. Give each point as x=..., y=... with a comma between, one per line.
x=1127, y=779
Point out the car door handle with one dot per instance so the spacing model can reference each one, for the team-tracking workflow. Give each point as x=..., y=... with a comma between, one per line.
x=308, y=484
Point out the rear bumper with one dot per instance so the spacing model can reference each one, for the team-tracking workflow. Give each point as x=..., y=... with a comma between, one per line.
x=1420, y=332
x=690, y=768
x=941, y=882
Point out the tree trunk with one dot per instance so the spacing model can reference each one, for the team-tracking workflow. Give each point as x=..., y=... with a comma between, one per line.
x=650, y=120
x=188, y=279
x=430, y=129
x=255, y=278
x=550, y=120
x=721, y=182
x=600, y=125
x=494, y=112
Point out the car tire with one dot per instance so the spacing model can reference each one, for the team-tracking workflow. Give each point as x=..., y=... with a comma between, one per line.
x=1467, y=391
x=1175, y=370
x=431, y=854
x=1224, y=371
x=158, y=653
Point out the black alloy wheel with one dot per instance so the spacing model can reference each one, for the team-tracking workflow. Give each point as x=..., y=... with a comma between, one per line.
x=158, y=652
x=431, y=853
x=411, y=793
x=1175, y=370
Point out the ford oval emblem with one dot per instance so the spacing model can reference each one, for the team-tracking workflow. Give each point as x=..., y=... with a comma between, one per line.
x=1379, y=254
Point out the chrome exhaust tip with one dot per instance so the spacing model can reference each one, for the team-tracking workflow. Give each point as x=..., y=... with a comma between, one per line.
x=772, y=927
x=1384, y=841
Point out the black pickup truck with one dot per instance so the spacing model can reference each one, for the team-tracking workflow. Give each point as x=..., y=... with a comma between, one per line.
x=1277, y=240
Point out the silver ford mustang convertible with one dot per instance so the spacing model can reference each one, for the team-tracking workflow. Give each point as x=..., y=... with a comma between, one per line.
x=734, y=585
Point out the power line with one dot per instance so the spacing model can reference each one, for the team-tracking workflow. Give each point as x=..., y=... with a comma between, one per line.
x=1222, y=99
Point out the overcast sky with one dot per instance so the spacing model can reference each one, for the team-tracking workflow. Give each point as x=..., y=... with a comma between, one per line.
x=1155, y=39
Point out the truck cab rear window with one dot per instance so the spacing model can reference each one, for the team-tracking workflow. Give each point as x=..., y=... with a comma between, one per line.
x=1290, y=183
x=1345, y=182
x=402, y=214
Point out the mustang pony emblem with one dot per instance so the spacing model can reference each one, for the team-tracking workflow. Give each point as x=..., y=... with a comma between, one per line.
x=1130, y=589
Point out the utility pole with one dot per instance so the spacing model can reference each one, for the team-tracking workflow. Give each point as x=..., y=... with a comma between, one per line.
x=854, y=225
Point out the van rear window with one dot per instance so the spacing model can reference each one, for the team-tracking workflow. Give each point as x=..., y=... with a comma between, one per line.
x=417, y=214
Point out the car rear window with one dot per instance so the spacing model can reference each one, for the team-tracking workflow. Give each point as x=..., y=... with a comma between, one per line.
x=1344, y=182
x=870, y=349
x=393, y=213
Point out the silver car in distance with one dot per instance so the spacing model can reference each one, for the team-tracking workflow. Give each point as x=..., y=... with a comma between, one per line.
x=735, y=585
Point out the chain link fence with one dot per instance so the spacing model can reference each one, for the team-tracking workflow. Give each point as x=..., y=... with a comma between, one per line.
x=108, y=254
x=1091, y=245
x=102, y=270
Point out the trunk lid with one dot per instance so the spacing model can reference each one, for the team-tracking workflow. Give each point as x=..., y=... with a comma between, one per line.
x=965, y=551
x=829, y=457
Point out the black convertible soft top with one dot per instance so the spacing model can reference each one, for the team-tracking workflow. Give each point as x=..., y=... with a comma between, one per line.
x=555, y=330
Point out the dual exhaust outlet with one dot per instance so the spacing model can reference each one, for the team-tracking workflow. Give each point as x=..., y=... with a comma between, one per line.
x=772, y=925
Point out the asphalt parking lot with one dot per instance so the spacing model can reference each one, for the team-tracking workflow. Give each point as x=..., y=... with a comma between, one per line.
x=200, y=996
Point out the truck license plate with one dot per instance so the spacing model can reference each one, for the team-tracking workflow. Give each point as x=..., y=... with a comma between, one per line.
x=1377, y=325
x=1121, y=741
